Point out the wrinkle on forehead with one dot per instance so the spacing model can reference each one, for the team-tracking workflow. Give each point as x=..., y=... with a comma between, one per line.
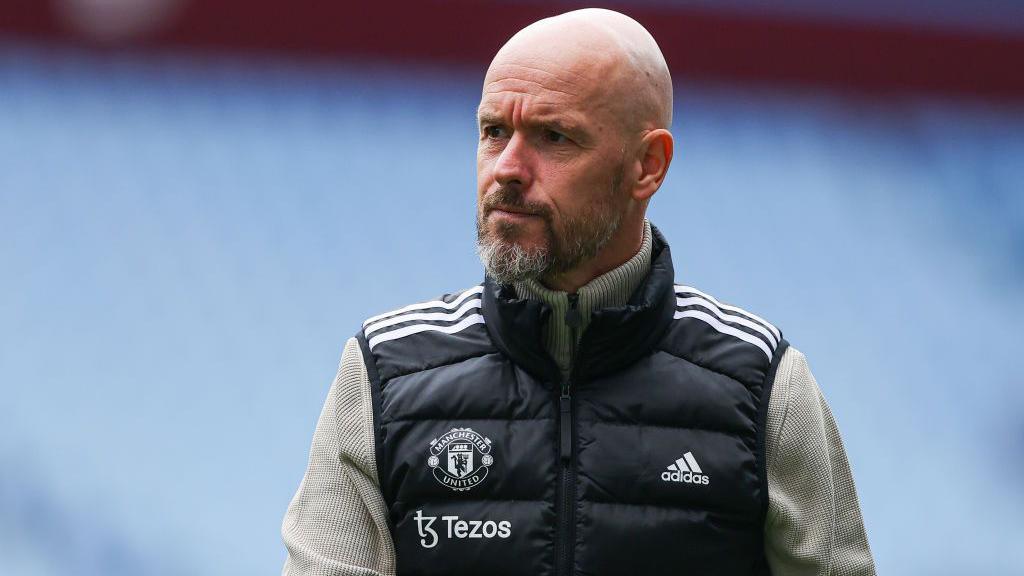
x=511, y=80
x=600, y=56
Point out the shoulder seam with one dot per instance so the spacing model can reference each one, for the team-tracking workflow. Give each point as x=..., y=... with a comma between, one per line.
x=459, y=360
x=700, y=365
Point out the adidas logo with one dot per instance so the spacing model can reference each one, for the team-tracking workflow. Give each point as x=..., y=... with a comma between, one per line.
x=685, y=469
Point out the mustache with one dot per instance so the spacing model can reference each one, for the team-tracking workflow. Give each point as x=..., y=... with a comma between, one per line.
x=512, y=197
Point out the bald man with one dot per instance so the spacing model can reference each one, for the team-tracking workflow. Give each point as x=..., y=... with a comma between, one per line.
x=579, y=412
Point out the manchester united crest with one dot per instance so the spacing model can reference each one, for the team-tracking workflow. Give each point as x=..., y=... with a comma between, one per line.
x=460, y=458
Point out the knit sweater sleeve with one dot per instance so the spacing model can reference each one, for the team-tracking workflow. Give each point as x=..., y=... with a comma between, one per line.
x=814, y=524
x=336, y=524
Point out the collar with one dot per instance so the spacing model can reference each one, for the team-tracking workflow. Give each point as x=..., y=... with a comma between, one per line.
x=616, y=336
x=610, y=289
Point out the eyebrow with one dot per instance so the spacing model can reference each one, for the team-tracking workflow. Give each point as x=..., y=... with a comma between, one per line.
x=556, y=122
x=488, y=117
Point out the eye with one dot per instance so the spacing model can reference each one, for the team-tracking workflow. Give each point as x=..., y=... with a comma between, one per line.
x=555, y=137
x=494, y=132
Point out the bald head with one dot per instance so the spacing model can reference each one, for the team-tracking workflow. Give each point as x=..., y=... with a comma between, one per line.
x=574, y=141
x=601, y=55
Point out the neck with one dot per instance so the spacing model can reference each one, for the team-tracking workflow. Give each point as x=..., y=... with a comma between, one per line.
x=622, y=246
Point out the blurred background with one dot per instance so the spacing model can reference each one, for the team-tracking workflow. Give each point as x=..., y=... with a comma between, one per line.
x=200, y=202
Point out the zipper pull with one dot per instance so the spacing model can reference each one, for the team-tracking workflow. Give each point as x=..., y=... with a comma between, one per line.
x=572, y=314
x=565, y=422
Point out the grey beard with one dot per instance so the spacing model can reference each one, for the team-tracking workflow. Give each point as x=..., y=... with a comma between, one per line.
x=582, y=238
x=508, y=262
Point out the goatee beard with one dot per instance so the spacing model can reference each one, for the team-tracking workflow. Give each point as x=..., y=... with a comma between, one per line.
x=582, y=238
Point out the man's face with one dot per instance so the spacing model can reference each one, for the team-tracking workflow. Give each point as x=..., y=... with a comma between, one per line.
x=550, y=164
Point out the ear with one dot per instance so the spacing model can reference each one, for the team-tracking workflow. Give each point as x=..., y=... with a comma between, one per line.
x=655, y=155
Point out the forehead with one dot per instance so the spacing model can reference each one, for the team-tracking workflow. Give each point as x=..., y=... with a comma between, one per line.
x=542, y=87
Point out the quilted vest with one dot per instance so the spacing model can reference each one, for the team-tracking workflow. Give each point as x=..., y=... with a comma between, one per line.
x=649, y=459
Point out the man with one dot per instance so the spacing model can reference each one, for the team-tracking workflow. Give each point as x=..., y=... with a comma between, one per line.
x=578, y=412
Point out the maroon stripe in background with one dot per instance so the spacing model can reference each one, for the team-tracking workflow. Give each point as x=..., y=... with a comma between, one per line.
x=844, y=55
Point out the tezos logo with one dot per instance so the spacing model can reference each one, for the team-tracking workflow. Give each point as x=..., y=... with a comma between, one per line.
x=459, y=528
x=460, y=458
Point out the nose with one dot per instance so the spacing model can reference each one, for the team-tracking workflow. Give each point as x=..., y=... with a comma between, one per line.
x=513, y=163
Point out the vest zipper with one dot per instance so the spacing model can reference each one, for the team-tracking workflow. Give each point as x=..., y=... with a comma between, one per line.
x=566, y=434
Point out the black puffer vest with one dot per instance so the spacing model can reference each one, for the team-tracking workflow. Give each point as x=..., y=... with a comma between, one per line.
x=650, y=459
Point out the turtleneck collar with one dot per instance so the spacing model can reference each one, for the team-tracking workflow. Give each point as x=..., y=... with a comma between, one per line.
x=609, y=290
x=617, y=333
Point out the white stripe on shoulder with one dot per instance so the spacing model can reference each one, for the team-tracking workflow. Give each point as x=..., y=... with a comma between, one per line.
x=726, y=317
x=725, y=329
x=417, y=328
x=435, y=316
x=478, y=289
x=754, y=317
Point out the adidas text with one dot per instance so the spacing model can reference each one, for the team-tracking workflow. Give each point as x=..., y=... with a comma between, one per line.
x=685, y=469
x=685, y=477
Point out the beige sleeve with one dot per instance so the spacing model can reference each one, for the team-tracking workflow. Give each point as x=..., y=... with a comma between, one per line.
x=336, y=524
x=814, y=524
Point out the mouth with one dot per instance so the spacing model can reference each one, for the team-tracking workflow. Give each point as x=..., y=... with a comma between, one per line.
x=509, y=212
